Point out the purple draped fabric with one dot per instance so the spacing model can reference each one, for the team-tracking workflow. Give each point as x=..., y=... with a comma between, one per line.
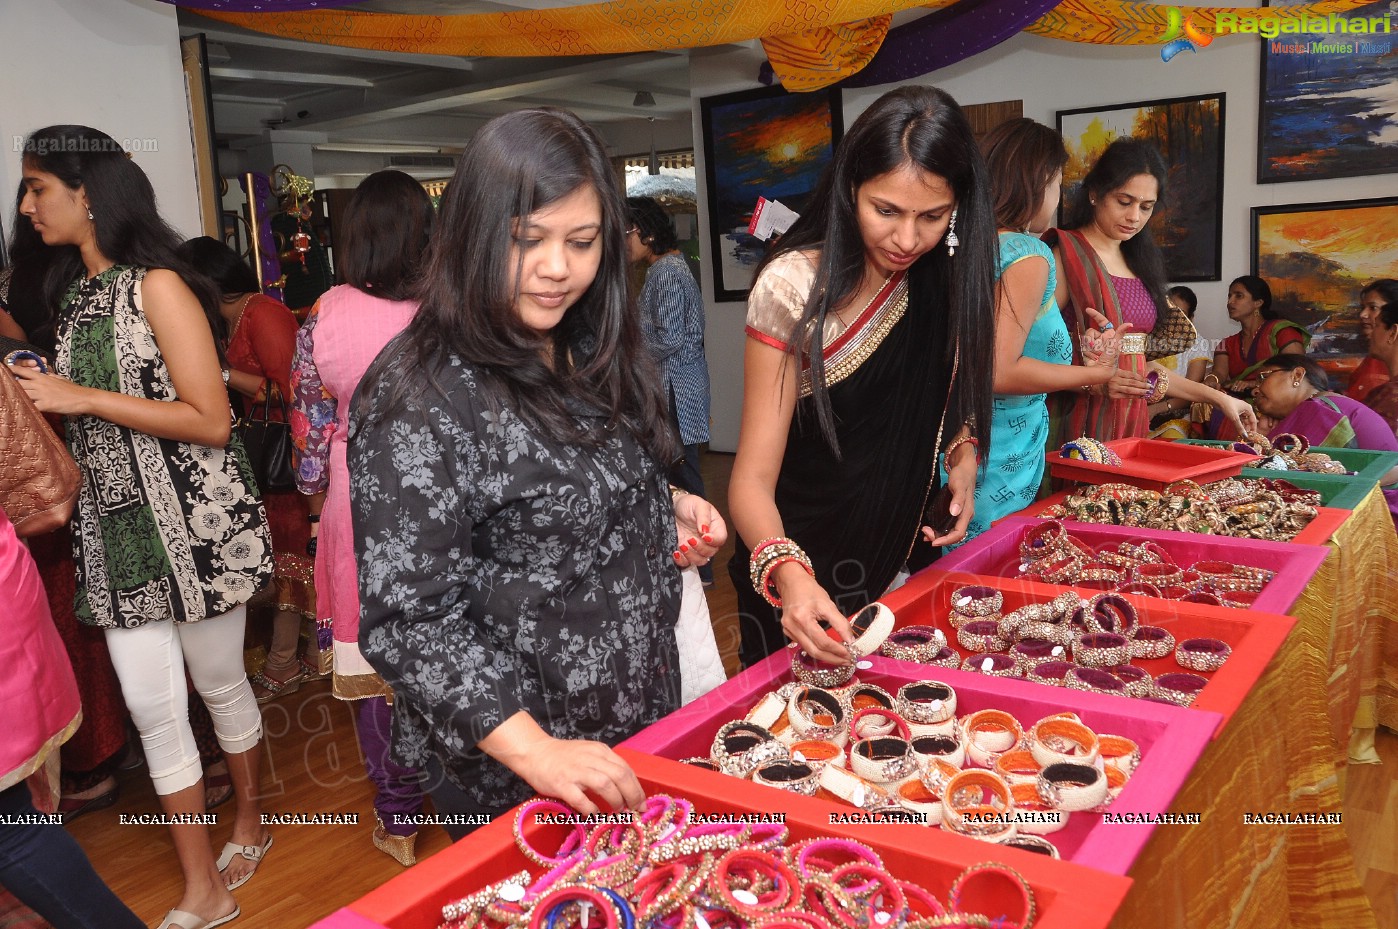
x=945, y=37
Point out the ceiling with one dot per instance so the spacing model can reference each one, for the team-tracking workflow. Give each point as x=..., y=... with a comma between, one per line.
x=359, y=109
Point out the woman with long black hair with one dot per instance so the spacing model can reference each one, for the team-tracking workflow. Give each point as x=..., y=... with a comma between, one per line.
x=869, y=355
x=169, y=538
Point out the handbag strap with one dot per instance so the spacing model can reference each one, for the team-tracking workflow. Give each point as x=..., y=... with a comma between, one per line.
x=269, y=390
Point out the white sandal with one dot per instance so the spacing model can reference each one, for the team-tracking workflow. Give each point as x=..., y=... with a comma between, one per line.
x=251, y=853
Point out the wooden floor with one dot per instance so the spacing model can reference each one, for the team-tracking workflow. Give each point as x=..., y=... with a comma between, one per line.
x=314, y=766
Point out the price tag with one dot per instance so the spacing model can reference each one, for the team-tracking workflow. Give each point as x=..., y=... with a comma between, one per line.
x=745, y=896
x=864, y=665
x=935, y=704
x=987, y=664
x=798, y=757
x=939, y=635
x=857, y=798
x=964, y=601
x=882, y=918
x=1057, y=651
x=585, y=913
x=511, y=892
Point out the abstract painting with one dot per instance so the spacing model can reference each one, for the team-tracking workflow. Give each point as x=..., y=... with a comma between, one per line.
x=1329, y=103
x=1316, y=257
x=1188, y=131
x=760, y=143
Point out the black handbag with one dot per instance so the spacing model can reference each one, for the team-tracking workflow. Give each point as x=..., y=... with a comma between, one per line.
x=268, y=443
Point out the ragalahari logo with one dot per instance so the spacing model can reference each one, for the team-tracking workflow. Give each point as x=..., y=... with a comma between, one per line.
x=1181, y=35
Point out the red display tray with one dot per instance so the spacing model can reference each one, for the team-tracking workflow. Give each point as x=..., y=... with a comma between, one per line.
x=1317, y=532
x=1067, y=896
x=1152, y=464
x=1254, y=637
x=1171, y=740
x=995, y=553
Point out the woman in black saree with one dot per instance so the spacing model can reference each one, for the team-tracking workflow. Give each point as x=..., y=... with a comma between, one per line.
x=871, y=342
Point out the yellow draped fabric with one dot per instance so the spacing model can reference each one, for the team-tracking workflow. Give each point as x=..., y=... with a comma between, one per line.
x=593, y=29
x=820, y=57
x=1122, y=22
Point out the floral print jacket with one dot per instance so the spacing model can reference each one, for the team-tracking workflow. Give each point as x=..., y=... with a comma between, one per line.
x=502, y=571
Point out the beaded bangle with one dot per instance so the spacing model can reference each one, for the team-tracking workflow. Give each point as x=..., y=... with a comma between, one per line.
x=1119, y=752
x=1094, y=679
x=876, y=713
x=1138, y=681
x=914, y=643
x=1140, y=589
x=809, y=670
x=1157, y=384
x=974, y=795
x=986, y=887
x=817, y=753
x=766, y=589
x=1072, y=787
x=1101, y=650
x=946, y=657
x=1179, y=688
x=883, y=760
x=995, y=664
x=992, y=731
x=1032, y=815
x=982, y=635
x=568, y=850
x=1040, y=540
x=870, y=627
x=1034, y=844
x=1111, y=612
x=816, y=714
x=1058, y=739
x=1202, y=654
x=976, y=600
x=740, y=747
x=926, y=702
x=1018, y=767
x=1029, y=652
x=795, y=777
x=947, y=748
x=1052, y=672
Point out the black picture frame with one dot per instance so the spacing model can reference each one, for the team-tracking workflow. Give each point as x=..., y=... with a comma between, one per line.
x=1316, y=284
x=764, y=142
x=1188, y=226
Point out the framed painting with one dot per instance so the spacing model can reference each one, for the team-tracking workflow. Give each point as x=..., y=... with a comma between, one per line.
x=1316, y=257
x=760, y=143
x=1188, y=131
x=1326, y=107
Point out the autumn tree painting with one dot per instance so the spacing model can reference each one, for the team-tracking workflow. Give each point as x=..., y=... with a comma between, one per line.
x=1188, y=132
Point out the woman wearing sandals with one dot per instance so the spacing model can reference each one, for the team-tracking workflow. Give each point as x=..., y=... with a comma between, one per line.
x=169, y=538
x=380, y=242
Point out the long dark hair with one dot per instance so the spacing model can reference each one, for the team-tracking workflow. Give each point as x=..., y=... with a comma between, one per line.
x=220, y=264
x=383, y=235
x=1021, y=157
x=122, y=201
x=516, y=165
x=29, y=263
x=1258, y=289
x=923, y=127
x=1122, y=160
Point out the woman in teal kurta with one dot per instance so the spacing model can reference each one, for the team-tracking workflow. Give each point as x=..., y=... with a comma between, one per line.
x=1033, y=350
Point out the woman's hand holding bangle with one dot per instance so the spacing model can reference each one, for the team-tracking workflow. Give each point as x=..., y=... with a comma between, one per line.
x=805, y=605
x=573, y=770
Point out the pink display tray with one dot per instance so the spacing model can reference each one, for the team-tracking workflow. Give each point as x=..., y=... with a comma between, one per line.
x=1152, y=463
x=995, y=553
x=1171, y=740
x=1317, y=532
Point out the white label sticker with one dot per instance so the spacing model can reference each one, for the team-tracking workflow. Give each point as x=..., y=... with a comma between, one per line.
x=745, y=896
x=585, y=913
x=935, y=704
x=939, y=635
x=987, y=664
x=1057, y=650
x=1023, y=566
x=1099, y=764
x=798, y=757
x=857, y=798
x=964, y=601
x=864, y=665
x=882, y=918
x=700, y=922
x=511, y=892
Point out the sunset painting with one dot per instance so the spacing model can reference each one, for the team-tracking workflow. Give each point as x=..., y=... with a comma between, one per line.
x=761, y=143
x=1317, y=256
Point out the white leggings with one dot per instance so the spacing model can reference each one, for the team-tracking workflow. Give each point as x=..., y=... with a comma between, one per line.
x=150, y=662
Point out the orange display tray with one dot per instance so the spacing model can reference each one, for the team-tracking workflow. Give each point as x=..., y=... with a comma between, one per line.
x=1067, y=896
x=1153, y=464
x=1317, y=532
x=1254, y=637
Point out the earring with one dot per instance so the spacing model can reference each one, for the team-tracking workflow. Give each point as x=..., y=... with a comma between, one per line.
x=1295, y=382
x=89, y=213
x=951, y=239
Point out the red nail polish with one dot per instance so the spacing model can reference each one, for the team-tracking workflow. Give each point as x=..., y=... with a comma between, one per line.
x=703, y=528
x=684, y=548
x=709, y=539
x=693, y=543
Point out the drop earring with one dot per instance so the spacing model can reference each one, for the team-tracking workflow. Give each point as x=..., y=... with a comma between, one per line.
x=951, y=239
x=89, y=213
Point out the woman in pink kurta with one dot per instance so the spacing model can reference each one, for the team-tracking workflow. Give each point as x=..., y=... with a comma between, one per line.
x=384, y=234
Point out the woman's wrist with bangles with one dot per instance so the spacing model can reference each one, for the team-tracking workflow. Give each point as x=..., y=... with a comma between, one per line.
x=767, y=557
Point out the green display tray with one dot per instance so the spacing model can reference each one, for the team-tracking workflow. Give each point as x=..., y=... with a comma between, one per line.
x=1342, y=491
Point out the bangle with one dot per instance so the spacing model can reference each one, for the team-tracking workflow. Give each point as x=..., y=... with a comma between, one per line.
x=982, y=635
x=1048, y=536
x=1119, y=752
x=817, y=753
x=993, y=664
x=1018, y=767
x=883, y=760
x=1003, y=884
x=1052, y=672
x=740, y=747
x=1101, y=650
x=914, y=643
x=964, y=439
x=1202, y=654
x=992, y=731
x=793, y=776
x=1157, y=384
x=676, y=493
x=1095, y=680
x=926, y=702
x=1138, y=681
x=1072, y=787
x=1059, y=739
x=977, y=601
x=226, y=375
x=870, y=627
x=812, y=671
x=816, y=714
x=948, y=749
x=1110, y=612
x=1179, y=688
x=1032, y=815
x=1035, y=844
x=852, y=788
x=976, y=803
x=766, y=557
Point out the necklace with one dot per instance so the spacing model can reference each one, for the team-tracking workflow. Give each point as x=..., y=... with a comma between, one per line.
x=839, y=317
x=238, y=320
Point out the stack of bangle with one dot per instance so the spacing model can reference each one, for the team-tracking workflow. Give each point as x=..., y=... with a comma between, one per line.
x=921, y=644
x=1085, y=448
x=767, y=556
x=1243, y=508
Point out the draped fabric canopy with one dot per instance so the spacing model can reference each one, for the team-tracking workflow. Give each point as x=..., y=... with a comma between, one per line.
x=810, y=43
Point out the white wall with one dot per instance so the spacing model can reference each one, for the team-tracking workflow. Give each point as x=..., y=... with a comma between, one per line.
x=1050, y=75
x=110, y=64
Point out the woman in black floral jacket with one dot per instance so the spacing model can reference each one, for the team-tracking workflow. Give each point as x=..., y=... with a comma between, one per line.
x=515, y=532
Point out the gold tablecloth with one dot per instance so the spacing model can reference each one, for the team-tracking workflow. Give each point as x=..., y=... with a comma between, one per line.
x=1285, y=751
